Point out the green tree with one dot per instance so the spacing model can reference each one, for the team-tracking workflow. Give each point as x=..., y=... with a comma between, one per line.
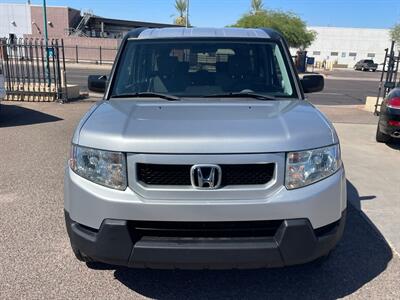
x=292, y=27
x=395, y=33
x=180, y=6
x=256, y=6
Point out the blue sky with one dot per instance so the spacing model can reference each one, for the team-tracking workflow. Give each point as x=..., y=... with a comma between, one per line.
x=218, y=13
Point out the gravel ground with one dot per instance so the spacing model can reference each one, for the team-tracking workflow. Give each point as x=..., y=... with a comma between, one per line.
x=36, y=260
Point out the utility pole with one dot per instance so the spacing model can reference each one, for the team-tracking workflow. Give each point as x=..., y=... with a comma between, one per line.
x=46, y=41
x=187, y=13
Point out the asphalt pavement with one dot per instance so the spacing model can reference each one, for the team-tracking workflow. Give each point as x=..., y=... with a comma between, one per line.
x=36, y=260
x=344, y=92
x=350, y=73
x=347, y=87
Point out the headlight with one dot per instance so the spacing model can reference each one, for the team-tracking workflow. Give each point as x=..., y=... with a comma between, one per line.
x=306, y=167
x=102, y=167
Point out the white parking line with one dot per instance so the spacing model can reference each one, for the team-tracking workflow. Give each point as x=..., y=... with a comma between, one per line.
x=330, y=94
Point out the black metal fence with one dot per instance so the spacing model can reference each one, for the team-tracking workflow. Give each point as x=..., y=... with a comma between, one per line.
x=32, y=70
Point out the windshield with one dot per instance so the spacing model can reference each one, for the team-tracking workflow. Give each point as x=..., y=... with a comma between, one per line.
x=203, y=68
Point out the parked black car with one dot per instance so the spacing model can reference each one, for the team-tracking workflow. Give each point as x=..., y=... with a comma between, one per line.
x=366, y=65
x=389, y=118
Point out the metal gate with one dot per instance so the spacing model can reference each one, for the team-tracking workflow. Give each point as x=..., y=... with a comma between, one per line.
x=28, y=75
x=389, y=75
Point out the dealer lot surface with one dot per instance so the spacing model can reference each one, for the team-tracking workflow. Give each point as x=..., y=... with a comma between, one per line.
x=35, y=256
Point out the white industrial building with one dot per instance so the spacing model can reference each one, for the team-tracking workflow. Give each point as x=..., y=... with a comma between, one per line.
x=15, y=19
x=346, y=46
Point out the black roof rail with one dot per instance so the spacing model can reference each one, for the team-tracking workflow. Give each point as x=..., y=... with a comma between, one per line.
x=134, y=33
x=272, y=33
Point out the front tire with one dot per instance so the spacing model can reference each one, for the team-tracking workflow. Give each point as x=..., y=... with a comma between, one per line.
x=381, y=137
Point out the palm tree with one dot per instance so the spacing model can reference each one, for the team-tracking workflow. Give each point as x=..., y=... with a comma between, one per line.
x=180, y=6
x=256, y=6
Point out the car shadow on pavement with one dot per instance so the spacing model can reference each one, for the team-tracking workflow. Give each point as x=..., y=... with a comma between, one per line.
x=15, y=115
x=361, y=256
x=395, y=146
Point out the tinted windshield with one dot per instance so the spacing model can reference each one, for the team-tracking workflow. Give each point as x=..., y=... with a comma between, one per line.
x=201, y=68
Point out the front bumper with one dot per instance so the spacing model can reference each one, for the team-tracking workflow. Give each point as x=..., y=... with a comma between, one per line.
x=117, y=242
x=321, y=203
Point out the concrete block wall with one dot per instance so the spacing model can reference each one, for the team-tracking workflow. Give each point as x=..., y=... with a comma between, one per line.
x=88, y=48
x=59, y=19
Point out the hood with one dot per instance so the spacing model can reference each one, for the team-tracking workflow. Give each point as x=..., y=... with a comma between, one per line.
x=235, y=126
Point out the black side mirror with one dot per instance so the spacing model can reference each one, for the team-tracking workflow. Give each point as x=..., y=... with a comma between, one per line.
x=97, y=83
x=312, y=83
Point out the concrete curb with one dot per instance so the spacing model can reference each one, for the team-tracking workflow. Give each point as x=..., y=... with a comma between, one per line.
x=328, y=77
x=343, y=106
x=88, y=66
x=301, y=75
x=370, y=103
x=94, y=95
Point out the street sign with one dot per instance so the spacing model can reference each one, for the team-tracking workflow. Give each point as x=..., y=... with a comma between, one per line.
x=310, y=60
x=50, y=51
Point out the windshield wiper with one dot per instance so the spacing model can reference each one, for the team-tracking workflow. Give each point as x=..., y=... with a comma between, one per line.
x=241, y=95
x=147, y=94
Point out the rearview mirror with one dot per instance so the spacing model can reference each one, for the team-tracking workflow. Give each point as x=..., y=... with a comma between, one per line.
x=97, y=83
x=312, y=83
